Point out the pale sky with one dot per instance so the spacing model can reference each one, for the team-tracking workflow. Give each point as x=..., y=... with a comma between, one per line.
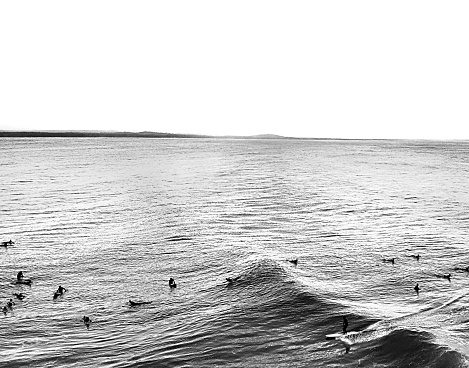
x=337, y=69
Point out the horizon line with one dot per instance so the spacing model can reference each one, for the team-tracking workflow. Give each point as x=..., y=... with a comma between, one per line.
x=75, y=133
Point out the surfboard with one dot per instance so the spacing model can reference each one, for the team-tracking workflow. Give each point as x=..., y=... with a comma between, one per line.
x=340, y=335
x=24, y=281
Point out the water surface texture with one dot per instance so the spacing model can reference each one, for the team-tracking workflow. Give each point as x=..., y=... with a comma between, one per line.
x=113, y=219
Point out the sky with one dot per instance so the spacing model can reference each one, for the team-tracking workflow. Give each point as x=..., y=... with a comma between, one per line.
x=318, y=69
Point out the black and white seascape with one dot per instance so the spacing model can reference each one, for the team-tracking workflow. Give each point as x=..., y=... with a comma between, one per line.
x=112, y=220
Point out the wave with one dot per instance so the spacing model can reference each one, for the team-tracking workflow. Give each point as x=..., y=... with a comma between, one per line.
x=273, y=295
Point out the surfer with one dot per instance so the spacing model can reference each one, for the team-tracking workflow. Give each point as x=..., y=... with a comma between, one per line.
x=59, y=292
x=447, y=277
x=20, y=275
x=417, y=288
x=390, y=260
x=86, y=321
x=417, y=257
x=232, y=279
x=19, y=296
x=344, y=325
x=294, y=261
x=133, y=304
x=10, y=242
x=10, y=304
x=5, y=310
x=172, y=283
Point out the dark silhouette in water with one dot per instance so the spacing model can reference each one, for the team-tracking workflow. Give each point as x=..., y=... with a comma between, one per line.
x=417, y=288
x=417, y=257
x=10, y=304
x=20, y=275
x=447, y=277
x=59, y=292
x=87, y=321
x=462, y=269
x=294, y=261
x=389, y=260
x=344, y=324
x=231, y=280
x=5, y=310
x=133, y=304
x=172, y=283
x=7, y=243
x=19, y=296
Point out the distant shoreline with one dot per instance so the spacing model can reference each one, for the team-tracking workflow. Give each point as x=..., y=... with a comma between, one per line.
x=108, y=134
x=117, y=134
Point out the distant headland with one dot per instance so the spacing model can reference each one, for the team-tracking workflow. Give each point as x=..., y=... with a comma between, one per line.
x=113, y=134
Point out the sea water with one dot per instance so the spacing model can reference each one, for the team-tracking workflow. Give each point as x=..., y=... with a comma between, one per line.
x=111, y=220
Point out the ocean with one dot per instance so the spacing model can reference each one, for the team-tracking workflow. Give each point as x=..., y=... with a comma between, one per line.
x=112, y=219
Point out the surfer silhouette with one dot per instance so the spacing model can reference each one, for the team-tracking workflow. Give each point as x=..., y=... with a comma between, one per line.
x=10, y=304
x=172, y=283
x=20, y=275
x=344, y=324
x=19, y=296
x=87, y=321
x=133, y=304
x=59, y=292
x=417, y=288
x=389, y=260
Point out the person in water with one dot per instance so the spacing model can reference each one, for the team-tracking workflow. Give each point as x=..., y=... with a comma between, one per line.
x=172, y=283
x=10, y=304
x=86, y=320
x=133, y=304
x=448, y=277
x=19, y=296
x=417, y=257
x=417, y=288
x=344, y=324
x=390, y=260
x=59, y=291
x=5, y=310
x=20, y=275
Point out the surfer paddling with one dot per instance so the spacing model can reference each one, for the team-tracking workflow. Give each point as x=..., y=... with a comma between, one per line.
x=19, y=296
x=172, y=283
x=134, y=304
x=231, y=279
x=417, y=257
x=389, y=260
